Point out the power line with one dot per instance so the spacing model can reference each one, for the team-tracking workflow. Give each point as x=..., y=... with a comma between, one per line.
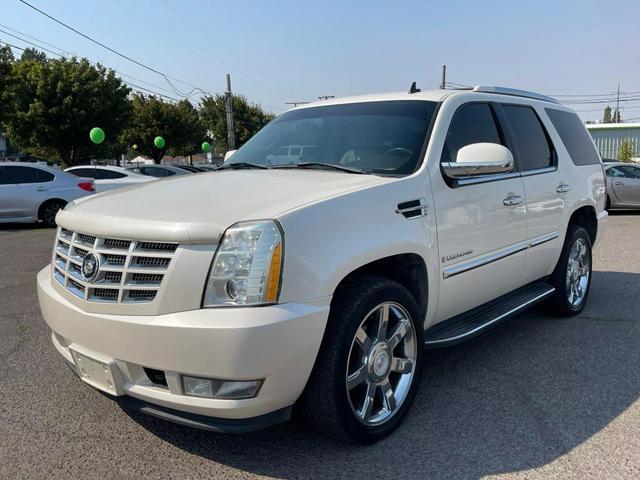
x=149, y=19
x=69, y=53
x=131, y=84
x=122, y=55
x=190, y=22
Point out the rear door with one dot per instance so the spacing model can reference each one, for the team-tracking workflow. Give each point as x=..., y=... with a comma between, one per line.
x=625, y=183
x=543, y=179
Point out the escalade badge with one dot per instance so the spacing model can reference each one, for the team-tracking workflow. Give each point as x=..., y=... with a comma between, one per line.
x=90, y=267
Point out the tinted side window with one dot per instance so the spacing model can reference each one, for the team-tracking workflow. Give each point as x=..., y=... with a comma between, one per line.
x=614, y=172
x=575, y=137
x=472, y=123
x=21, y=174
x=84, y=172
x=108, y=174
x=531, y=142
x=630, y=172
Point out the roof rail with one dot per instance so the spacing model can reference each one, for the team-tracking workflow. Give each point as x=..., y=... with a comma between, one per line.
x=515, y=92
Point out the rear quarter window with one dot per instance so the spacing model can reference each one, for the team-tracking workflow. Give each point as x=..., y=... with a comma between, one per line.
x=575, y=137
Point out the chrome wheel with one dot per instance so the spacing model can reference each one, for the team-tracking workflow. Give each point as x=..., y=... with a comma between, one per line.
x=578, y=272
x=381, y=364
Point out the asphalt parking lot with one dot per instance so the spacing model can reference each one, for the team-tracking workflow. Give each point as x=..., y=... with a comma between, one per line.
x=536, y=397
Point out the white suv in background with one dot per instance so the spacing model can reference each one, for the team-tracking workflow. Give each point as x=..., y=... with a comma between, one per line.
x=418, y=220
x=30, y=192
x=109, y=178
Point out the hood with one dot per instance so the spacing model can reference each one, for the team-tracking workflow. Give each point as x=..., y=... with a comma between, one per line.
x=198, y=208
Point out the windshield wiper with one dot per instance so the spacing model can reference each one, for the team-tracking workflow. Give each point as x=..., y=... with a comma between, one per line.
x=240, y=165
x=322, y=165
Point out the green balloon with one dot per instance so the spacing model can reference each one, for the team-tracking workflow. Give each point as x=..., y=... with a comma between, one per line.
x=96, y=135
x=206, y=147
x=158, y=142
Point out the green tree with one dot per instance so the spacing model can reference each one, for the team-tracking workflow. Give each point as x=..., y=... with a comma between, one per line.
x=617, y=118
x=6, y=64
x=178, y=123
x=625, y=152
x=54, y=104
x=606, y=118
x=31, y=54
x=247, y=120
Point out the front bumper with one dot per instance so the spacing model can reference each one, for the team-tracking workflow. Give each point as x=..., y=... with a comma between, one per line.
x=277, y=343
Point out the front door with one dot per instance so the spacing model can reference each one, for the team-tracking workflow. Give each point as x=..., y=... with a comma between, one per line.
x=481, y=221
x=625, y=183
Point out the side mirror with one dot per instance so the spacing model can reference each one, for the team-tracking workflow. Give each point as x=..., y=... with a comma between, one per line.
x=227, y=155
x=479, y=159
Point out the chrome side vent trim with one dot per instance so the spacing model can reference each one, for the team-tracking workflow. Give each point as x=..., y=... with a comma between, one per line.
x=413, y=208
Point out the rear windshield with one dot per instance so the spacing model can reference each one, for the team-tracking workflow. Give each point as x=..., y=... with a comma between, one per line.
x=374, y=137
x=575, y=137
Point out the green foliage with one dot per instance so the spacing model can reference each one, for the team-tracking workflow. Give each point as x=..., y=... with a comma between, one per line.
x=178, y=123
x=33, y=55
x=606, y=118
x=6, y=64
x=617, y=118
x=625, y=152
x=247, y=120
x=53, y=104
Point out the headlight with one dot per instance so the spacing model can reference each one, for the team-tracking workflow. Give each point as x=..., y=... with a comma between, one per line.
x=247, y=265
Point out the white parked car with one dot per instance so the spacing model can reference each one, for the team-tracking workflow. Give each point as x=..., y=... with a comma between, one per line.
x=109, y=178
x=420, y=220
x=157, y=171
x=31, y=192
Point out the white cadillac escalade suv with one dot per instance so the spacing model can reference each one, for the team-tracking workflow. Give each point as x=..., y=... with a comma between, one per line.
x=312, y=281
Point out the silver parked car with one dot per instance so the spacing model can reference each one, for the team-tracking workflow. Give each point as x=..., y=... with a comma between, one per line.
x=623, y=185
x=31, y=192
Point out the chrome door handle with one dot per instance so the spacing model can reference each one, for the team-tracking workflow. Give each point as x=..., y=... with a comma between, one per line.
x=512, y=200
x=618, y=183
x=563, y=188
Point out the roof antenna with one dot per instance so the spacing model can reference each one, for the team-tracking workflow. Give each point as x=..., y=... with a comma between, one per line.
x=414, y=89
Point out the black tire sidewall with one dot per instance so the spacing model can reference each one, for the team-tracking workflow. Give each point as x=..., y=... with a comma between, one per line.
x=57, y=206
x=558, y=280
x=345, y=318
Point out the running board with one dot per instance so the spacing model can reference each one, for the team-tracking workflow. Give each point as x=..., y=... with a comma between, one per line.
x=469, y=324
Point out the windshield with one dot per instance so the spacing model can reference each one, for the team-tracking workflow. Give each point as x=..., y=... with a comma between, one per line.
x=374, y=137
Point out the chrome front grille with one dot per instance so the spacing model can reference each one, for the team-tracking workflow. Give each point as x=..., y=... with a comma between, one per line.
x=130, y=271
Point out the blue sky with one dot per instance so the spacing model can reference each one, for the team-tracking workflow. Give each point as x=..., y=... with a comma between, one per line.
x=279, y=51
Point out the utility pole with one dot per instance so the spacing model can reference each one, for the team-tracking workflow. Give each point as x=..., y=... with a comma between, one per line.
x=326, y=97
x=618, y=106
x=229, y=104
x=443, y=83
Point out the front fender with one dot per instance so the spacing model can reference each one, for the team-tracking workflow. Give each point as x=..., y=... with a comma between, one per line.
x=326, y=241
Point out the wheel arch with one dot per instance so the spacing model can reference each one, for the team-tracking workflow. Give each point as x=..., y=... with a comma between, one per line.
x=47, y=202
x=408, y=269
x=587, y=218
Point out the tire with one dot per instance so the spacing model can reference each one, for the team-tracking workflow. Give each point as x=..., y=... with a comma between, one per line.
x=567, y=281
x=48, y=212
x=335, y=409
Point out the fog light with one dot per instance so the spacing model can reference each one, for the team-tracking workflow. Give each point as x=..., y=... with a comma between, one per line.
x=223, y=389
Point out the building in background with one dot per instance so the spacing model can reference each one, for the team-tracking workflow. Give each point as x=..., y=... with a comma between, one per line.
x=609, y=137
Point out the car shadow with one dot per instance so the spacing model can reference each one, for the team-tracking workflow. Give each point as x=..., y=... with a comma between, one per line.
x=17, y=227
x=518, y=397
